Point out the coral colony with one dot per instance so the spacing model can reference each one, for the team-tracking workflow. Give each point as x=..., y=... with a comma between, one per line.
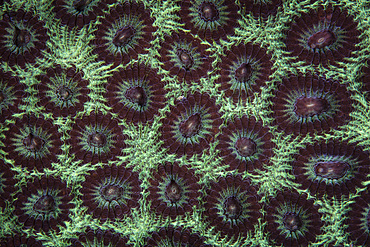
x=184, y=123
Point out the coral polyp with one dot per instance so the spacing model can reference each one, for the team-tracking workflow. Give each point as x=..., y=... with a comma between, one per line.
x=99, y=238
x=124, y=32
x=191, y=125
x=22, y=240
x=332, y=169
x=174, y=190
x=111, y=192
x=322, y=37
x=185, y=56
x=244, y=69
x=232, y=206
x=304, y=104
x=11, y=95
x=96, y=138
x=44, y=204
x=293, y=220
x=7, y=182
x=358, y=220
x=136, y=94
x=78, y=13
x=23, y=38
x=261, y=8
x=245, y=144
x=33, y=142
x=63, y=91
x=211, y=20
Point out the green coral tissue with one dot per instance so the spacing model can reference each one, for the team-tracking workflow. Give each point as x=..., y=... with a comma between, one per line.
x=184, y=123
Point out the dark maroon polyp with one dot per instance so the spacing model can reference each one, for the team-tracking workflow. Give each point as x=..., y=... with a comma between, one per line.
x=137, y=95
x=123, y=36
x=307, y=104
x=331, y=170
x=173, y=191
x=233, y=208
x=292, y=221
x=245, y=146
x=310, y=106
x=111, y=192
x=191, y=126
x=243, y=73
x=321, y=39
x=217, y=19
x=23, y=38
x=208, y=11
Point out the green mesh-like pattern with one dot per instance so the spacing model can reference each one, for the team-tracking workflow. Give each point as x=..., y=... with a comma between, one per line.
x=144, y=151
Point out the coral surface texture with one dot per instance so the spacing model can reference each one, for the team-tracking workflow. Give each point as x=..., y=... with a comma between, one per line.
x=184, y=123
